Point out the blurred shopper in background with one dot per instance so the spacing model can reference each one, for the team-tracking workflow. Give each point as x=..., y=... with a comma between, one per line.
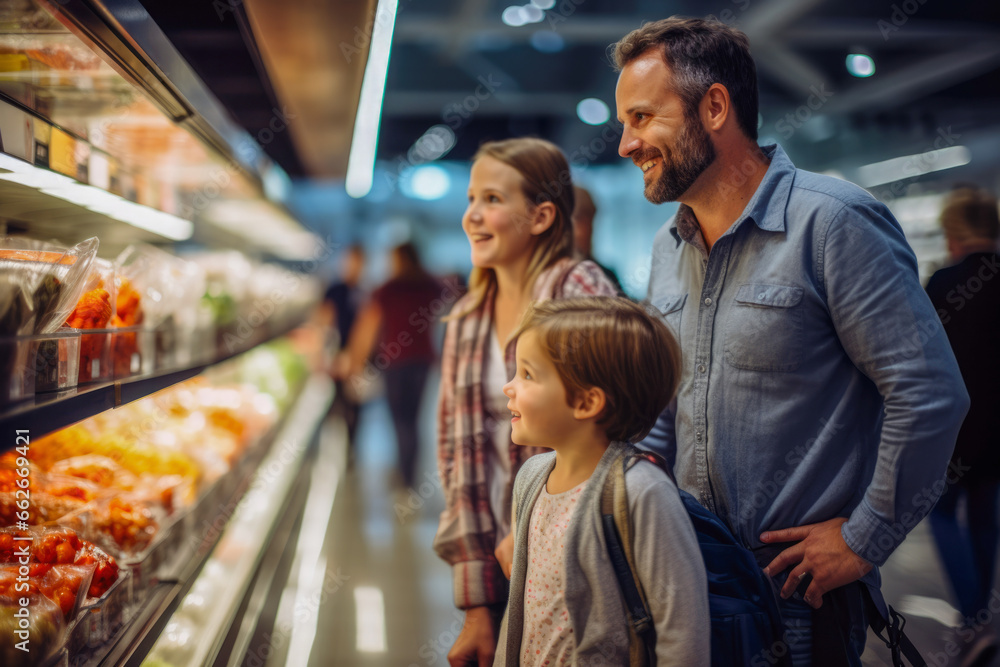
x=518, y=222
x=967, y=298
x=394, y=332
x=584, y=213
x=796, y=301
x=344, y=297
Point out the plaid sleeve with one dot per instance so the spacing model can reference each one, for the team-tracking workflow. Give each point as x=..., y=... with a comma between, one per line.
x=587, y=279
x=461, y=541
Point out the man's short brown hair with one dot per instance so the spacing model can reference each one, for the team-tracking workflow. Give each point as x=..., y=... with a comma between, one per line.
x=617, y=346
x=700, y=52
x=970, y=213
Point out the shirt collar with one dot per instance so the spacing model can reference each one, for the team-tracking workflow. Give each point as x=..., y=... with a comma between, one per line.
x=766, y=208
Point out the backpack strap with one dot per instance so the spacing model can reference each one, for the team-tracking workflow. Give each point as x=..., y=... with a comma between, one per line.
x=617, y=526
x=882, y=617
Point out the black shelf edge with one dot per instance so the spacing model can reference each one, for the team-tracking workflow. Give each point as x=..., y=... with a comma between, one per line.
x=50, y=412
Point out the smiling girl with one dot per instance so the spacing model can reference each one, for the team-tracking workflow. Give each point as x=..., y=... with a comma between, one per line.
x=518, y=225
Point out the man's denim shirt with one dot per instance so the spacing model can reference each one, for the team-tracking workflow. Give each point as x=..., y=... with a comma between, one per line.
x=817, y=380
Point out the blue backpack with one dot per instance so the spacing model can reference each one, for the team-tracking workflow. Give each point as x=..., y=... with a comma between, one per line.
x=746, y=625
x=743, y=604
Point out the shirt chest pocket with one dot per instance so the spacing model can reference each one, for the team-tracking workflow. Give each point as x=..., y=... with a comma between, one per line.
x=671, y=306
x=764, y=328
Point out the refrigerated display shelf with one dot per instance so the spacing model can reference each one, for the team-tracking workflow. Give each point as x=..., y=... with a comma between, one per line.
x=48, y=412
x=136, y=638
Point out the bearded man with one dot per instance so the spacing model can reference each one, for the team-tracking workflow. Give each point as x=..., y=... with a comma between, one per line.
x=819, y=401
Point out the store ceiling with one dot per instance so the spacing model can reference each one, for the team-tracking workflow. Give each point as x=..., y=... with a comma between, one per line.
x=455, y=63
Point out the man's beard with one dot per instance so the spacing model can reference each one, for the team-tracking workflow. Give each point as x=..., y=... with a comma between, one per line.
x=695, y=153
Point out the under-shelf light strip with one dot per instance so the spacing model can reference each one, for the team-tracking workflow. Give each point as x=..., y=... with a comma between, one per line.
x=361, y=163
x=96, y=199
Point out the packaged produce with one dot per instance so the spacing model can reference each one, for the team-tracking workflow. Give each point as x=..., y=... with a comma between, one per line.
x=128, y=309
x=51, y=496
x=43, y=508
x=100, y=470
x=93, y=314
x=44, y=283
x=66, y=585
x=46, y=631
x=125, y=524
x=127, y=444
x=40, y=284
x=60, y=546
x=228, y=275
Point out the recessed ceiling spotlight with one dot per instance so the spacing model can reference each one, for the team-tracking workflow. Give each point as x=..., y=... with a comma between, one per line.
x=427, y=182
x=547, y=41
x=593, y=111
x=532, y=14
x=860, y=65
x=514, y=16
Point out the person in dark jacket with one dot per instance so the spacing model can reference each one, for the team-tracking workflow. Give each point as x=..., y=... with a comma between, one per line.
x=344, y=297
x=396, y=321
x=967, y=298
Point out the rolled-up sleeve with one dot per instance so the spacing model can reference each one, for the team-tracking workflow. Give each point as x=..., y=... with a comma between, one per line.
x=892, y=334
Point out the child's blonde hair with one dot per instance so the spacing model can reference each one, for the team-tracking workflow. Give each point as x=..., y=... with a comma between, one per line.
x=617, y=346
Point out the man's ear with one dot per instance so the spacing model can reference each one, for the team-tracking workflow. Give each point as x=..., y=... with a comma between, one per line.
x=589, y=403
x=716, y=107
x=543, y=216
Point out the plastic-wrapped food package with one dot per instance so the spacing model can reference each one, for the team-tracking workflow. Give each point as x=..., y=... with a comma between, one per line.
x=66, y=585
x=46, y=631
x=50, y=280
x=100, y=470
x=93, y=314
x=124, y=523
x=40, y=284
x=157, y=285
x=126, y=443
x=95, y=307
x=228, y=276
x=61, y=546
x=52, y=496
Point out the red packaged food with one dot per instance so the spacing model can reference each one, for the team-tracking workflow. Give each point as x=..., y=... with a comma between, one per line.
x=59, y=546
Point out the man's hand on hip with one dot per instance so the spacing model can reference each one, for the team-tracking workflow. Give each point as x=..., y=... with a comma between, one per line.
x=822, y=553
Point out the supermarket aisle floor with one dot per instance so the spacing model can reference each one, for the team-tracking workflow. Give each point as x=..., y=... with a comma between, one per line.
x=394, y=607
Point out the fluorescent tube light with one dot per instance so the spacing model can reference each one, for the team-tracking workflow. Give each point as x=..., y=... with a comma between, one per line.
x=14, y=164
x=911, y=166
x=95, y=199
x=361, y=163
x=38, y=178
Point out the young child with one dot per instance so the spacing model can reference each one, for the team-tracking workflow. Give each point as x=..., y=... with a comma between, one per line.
x=592, y=376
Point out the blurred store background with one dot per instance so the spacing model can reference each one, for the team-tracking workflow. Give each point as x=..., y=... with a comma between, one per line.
x=900, y=98
x=290, y=131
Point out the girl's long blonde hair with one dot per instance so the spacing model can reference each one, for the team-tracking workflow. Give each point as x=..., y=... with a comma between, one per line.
x=545, y=177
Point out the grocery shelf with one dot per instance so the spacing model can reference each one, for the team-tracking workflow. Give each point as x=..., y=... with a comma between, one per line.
x=48, y=412
x=258, y=528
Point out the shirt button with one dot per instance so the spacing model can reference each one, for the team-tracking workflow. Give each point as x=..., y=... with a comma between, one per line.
x=697, y=436
x=708, y=301
x=701, y=368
